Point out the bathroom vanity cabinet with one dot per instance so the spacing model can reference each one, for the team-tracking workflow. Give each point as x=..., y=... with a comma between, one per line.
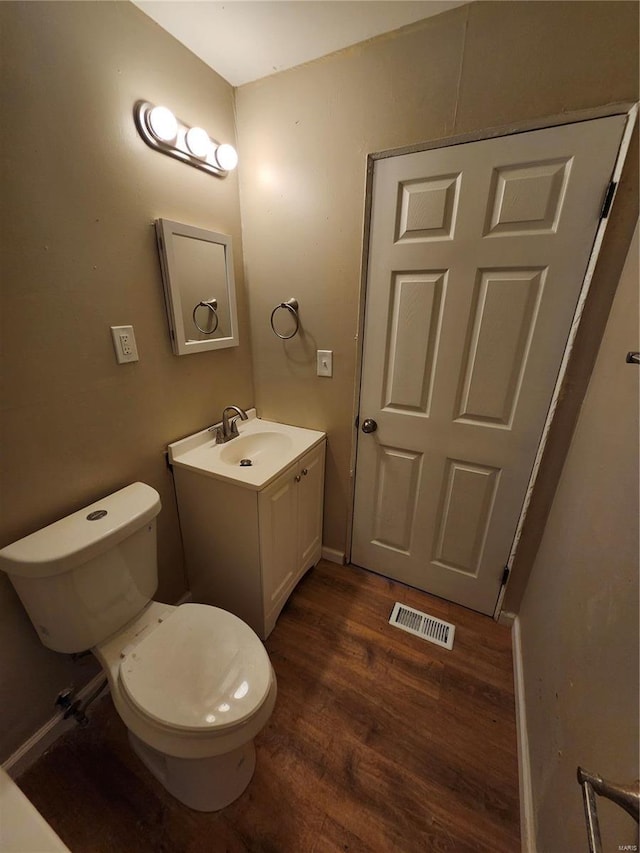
x=246, y=548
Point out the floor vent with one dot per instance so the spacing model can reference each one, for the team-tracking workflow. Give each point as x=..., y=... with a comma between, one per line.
x=422, y=625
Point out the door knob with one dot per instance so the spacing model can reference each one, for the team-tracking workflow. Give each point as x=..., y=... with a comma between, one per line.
x=369, y=425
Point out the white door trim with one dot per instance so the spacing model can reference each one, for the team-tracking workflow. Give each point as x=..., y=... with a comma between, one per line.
x=628, y=109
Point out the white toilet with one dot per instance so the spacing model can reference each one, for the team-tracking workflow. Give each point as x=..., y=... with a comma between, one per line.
x=193, y=684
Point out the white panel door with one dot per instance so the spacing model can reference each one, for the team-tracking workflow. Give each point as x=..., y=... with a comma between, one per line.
x=476, y=260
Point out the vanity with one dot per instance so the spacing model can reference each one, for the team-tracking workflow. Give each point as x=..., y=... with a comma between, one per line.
x=251, y=515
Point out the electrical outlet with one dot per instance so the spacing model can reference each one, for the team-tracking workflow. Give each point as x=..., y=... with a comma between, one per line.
x=124, y=343
x=324, y=362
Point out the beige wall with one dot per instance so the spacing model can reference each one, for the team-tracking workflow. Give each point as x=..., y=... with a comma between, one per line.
x=579, y=616
x=80, y=192
x=304, y=137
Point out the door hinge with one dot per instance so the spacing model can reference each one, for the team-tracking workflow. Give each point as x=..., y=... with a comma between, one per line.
x=505, y=575
x=608, y=198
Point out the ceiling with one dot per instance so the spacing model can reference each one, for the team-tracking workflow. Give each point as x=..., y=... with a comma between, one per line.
x=244, y=40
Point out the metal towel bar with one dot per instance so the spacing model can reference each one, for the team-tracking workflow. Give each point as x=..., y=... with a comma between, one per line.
x=626, y=796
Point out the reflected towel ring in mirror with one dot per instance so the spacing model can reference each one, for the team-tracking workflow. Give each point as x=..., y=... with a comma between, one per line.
x=212, y=304
x=291, y=305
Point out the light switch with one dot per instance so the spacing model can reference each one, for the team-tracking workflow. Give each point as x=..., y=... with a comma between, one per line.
x=324, y=362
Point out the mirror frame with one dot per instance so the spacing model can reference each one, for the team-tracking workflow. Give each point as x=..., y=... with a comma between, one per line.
x=166, y=230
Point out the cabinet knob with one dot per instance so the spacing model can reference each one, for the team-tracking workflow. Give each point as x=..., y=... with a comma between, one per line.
x=298, y=478
x=304, y=472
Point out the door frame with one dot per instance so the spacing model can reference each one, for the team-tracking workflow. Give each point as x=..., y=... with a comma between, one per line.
x=630, y=110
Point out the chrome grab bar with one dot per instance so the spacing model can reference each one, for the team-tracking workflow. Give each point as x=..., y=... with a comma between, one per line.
x=626, y=796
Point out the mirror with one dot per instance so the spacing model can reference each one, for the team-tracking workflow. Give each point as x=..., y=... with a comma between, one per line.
x=199, y=287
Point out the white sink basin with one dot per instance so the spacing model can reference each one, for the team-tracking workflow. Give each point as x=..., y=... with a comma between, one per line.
x=265, y=448
x=255, y=447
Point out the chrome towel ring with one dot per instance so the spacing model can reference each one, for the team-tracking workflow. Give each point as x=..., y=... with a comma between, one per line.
x=291, y=305
x=212, y=305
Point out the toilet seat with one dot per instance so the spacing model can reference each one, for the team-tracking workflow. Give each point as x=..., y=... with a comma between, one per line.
x=200, y=670
x=189, y=742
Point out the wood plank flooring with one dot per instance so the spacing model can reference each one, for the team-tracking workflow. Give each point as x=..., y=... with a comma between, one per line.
x=379, y=741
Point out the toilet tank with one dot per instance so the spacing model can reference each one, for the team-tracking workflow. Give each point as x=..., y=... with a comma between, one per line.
x=85, y=576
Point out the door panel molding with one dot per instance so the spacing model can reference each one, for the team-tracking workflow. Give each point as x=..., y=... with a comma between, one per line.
x=488, y=391
x=396, y=482
x=417, y=305
x=468, y=495
x=510, y=212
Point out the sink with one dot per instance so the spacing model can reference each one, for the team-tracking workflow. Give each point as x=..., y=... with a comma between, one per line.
x=258, y=447
x=269, y=446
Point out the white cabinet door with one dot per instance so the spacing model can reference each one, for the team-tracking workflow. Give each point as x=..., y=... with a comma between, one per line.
x=310, y=499
x=290, y=513
x=278, y=514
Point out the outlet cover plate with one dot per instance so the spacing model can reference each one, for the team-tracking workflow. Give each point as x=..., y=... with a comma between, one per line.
x=124, y=344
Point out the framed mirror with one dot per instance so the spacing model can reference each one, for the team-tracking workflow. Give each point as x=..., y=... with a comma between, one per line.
x=199, y=287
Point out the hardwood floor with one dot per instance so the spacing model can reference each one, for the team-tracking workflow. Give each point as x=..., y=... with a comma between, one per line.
x=379, y=741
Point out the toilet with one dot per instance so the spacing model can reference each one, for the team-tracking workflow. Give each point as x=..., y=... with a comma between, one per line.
x=192, y=683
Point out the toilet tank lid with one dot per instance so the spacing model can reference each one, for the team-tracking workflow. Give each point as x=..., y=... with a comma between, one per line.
x=85, y=534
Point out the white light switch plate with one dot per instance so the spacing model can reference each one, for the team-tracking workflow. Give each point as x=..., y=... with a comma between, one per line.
x=124, y=343
x=324, y=362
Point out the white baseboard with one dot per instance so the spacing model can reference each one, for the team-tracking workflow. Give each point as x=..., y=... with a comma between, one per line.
x=527, y=828
x=40, y=741
x=506, y=618
x=333, y=555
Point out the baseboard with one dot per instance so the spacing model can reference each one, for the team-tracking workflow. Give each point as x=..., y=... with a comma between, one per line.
x=333, y=555
x=527, y=829
x=506, y=618
x=40, y=741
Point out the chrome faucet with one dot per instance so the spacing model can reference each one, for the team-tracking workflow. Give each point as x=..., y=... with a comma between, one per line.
x=229, y=428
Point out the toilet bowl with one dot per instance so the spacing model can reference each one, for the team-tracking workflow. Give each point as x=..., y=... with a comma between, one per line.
x=193, y=684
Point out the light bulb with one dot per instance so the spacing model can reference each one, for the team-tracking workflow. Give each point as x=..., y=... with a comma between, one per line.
x=163, y=124
x=226, y=156
x=198, y=142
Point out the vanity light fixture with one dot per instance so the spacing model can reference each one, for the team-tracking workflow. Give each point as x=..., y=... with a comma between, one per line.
x=198, y=142
x=163, y=124
x=160, y=129
x=226, y=156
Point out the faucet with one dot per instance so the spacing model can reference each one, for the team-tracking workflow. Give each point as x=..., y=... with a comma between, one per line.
x=229, y=428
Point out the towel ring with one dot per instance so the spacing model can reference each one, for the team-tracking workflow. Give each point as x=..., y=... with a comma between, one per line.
x=212, y=304
x=291, y=305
